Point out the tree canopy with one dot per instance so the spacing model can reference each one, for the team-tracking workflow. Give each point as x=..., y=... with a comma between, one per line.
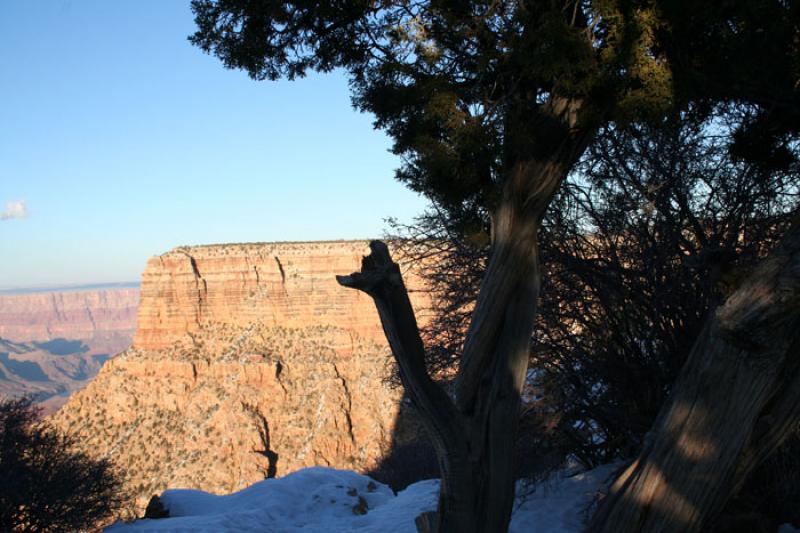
x=462, y=87
x=490, y=106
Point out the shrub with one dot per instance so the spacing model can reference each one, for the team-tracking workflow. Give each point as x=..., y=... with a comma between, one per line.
x=45, y=483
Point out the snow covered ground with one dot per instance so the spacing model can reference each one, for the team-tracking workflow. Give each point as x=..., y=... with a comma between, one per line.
x=325, y=500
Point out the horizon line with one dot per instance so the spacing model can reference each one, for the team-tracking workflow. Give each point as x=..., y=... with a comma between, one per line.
x=71, y=287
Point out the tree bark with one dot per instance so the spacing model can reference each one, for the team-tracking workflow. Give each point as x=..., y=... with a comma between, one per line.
x=381, y=279
x=735, y=401
x=474, y=433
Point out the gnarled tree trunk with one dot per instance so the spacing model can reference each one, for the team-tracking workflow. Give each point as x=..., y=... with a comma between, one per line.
x=735, y=401
x=474, y=433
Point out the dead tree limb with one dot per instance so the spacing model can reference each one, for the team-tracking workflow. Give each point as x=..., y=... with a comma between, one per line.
x=380, y=278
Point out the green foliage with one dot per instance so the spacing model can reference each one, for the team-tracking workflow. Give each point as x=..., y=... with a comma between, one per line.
x=494, y=103
x=469, y=89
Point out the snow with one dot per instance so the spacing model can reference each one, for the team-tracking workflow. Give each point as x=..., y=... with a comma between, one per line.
x=312, y=500
x=325, y=500
x=560, y=504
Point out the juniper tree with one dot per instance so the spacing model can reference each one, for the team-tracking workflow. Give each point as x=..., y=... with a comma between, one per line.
x=490, y=105
x=46, y=484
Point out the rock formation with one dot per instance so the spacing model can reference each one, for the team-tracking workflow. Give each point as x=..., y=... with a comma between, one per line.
x=249, y=362
x=75, y=315
x=54, y=343
x=290, y=285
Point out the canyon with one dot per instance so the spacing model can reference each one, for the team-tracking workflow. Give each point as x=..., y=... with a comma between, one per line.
x=53, y=343
x=249, y=362
x=71, y=315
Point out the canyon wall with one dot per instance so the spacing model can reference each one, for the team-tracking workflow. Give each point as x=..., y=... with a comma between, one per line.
x=73, y=315
x=290, y=285
x=249, y=361
x=54, y=343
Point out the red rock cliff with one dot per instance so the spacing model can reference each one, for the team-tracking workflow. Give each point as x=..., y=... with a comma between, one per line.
x=249, y=361
x=290, y=285
x=67, y=315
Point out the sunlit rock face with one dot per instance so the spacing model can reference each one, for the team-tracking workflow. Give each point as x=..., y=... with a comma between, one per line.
x=291, y=285
x=250, y=361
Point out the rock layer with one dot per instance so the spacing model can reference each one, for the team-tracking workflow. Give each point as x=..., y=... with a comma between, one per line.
x=54, y=343
x=278, y=284
x=250, y=361
x=68, y=315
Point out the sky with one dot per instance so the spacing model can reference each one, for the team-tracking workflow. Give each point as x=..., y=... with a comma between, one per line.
x=119, y=141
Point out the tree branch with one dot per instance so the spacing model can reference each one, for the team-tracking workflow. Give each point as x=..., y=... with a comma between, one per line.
x=380, y=278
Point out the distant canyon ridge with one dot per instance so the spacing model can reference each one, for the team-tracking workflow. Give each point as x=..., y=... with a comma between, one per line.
x=249, y=361
x=53, y=343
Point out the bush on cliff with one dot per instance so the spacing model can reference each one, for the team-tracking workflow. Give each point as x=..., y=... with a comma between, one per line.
x=45, y=484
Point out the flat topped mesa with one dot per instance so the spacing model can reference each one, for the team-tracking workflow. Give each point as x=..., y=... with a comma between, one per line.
x=285, y=247
x=283, y=369
x=289, y=284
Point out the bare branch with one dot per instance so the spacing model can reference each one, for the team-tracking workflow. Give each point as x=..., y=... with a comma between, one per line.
x=380, y=277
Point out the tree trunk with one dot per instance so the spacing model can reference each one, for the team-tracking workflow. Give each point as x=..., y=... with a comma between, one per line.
x=474, y=447
x=473, y=435
x=735, y=401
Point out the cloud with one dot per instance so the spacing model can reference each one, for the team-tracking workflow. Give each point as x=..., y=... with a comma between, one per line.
x=14, y=209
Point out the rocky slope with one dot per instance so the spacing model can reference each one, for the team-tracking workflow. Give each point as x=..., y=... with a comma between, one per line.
x=249, y=362
x=54, y=343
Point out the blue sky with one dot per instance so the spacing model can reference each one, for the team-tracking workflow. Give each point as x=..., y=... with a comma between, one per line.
x=123, y=141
